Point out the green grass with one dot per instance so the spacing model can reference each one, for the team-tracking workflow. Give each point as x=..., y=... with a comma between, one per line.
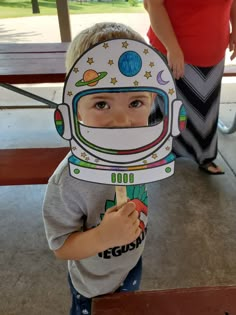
x=18, y=8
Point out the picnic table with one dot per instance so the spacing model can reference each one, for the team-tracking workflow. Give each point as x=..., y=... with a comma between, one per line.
x=189, y=301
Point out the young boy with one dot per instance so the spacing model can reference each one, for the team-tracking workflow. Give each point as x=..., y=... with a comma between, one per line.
x=103, y=243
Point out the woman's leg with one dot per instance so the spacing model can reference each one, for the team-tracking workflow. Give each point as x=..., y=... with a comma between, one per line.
x=80, y=304
x=199, y=90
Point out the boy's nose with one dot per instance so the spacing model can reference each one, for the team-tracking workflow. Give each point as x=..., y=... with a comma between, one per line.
x=121, y=119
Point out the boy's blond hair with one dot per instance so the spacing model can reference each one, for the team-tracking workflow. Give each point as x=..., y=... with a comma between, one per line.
x=96, y=34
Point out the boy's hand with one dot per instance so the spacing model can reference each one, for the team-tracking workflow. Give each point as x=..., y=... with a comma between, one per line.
x=120, y=226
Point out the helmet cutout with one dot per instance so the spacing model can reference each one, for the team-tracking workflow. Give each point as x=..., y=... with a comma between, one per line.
x=112, y=155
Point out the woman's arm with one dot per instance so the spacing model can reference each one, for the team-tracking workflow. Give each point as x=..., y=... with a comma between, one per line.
x=232, y=41
x=163, y=29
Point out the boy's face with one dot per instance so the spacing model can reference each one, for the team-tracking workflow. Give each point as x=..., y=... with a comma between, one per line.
x=105, y=110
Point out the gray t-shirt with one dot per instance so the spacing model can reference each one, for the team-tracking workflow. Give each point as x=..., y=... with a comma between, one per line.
x=72, y=205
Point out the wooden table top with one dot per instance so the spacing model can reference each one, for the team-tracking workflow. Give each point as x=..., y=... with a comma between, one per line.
x=40, y=63
x=32, y=63
x=191, y=301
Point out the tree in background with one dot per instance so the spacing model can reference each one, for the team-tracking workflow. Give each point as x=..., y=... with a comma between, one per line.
x=35, y=6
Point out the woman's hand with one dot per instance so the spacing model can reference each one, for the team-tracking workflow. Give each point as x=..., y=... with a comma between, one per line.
x=175, y=58
x=232, y=45
x=163, y=29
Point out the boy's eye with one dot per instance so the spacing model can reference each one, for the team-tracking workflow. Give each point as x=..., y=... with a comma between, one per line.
x=101, y=105
x=136, y=103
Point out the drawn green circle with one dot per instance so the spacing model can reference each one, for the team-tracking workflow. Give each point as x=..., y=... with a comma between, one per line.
x=76, y=171
x=168, y=169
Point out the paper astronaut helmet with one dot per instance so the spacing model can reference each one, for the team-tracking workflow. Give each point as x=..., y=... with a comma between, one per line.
x=120, y=156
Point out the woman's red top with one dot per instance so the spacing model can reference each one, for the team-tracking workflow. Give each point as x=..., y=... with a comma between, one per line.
x=201, y=27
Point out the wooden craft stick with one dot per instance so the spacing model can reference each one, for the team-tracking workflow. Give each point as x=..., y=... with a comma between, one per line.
x=121, y=195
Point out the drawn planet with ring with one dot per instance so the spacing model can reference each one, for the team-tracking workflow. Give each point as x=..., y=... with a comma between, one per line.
x=91, y=78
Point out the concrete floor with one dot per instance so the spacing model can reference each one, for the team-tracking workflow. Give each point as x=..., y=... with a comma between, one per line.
x=191, y=239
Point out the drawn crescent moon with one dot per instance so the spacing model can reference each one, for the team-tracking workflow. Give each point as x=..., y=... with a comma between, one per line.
x=159, y=79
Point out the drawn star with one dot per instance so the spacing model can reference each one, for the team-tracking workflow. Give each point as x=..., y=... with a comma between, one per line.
x=87, y=158
x=151, y=64
x=145, y=51
x=125, y=44
x=83, y=154
x=110, y=62
x=90, y=61
x=105, y=45
x=167, y=148
x=76, y=70
x=148, y=74
x=171, y=91
x=144, y=161
x=136, y=83
x=154, y=156
x=74, y=148
x=113, y=81
x=69, y=93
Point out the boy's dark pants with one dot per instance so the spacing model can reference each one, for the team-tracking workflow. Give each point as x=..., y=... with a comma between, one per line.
x=82, y=305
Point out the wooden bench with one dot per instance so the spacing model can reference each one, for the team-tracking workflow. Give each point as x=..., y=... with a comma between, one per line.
x=191, y=301
x=29, y=166
x=230, y=71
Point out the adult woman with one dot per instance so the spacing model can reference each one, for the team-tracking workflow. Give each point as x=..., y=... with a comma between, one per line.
x=193, y=37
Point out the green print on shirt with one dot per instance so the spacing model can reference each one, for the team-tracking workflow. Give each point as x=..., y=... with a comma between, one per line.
x=138, y=195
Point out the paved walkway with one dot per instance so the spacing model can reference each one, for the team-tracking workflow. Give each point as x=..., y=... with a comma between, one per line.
x=46, y=28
